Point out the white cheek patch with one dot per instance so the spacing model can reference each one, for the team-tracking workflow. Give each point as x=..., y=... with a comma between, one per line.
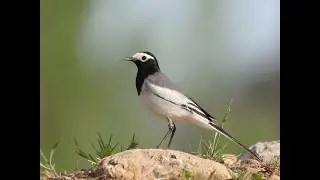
x=139, y=56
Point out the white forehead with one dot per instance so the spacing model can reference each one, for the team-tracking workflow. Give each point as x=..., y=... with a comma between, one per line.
x=140, y=55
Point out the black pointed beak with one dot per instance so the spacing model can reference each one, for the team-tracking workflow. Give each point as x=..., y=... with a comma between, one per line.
x=128, y=59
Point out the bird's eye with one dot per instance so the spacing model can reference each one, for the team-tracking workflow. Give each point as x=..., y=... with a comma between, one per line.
x=144, y=57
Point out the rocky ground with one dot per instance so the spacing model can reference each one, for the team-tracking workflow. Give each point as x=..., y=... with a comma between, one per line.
x=156, y=164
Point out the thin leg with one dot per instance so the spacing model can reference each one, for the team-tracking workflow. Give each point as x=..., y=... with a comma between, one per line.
x=172, y=129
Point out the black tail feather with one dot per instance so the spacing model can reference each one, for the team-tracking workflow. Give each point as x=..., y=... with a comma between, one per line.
x=227, y=135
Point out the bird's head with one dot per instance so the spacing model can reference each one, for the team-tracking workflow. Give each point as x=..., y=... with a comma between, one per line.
x=144, y=60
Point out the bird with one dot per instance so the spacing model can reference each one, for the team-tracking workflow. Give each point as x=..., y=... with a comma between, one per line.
x=167, y=101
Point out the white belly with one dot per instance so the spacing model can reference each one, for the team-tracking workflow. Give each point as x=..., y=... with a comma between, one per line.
x=168, y=103
x=163, y=108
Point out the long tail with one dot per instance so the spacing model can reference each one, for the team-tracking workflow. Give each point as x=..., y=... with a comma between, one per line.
x=223, y=132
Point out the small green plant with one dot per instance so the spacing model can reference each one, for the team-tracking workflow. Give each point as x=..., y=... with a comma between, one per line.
x=105, y=149
x=257, y=176
x=186, y=174
x=272, y=167
x=211, y=149
x=240, y=173
x=48, y=168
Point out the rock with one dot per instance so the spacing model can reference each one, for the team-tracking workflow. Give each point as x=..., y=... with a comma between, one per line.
x=274, y=177
x=156, y=164
x=229, y=159
x=267, y=151
x=145, y=164
x=250, y=163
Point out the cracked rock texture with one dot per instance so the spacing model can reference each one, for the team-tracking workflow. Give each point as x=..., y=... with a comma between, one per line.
x=159, y=164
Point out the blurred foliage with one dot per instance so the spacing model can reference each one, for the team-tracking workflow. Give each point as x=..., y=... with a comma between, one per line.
x=214, y=50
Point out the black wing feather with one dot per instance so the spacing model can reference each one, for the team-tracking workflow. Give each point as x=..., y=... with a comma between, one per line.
x=208, y=116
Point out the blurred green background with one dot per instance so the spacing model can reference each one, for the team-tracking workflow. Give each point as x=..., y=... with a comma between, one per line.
x=214, y=50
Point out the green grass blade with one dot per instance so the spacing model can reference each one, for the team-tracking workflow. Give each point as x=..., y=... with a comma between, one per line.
x=112, y=149
x=55, y=146
x=45, y=167
x=95, y=149
x=102, y=145
x=52, y=151
x=92, y=159
x=75, y=141
x=43, y=156
x=133, y=144
x=223, y=122
x=81, y=153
